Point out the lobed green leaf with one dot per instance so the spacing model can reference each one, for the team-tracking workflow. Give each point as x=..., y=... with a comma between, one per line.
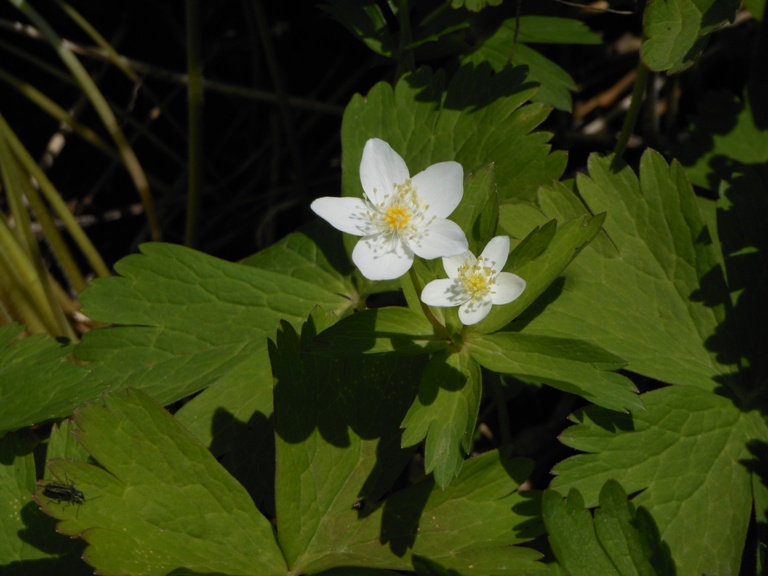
x=444, y=413
x=187, y=319
x=676, y=30
x=619, y=541
x=678, y=454
x=562, y=246
x=646, y=289
x=158, y=501
x=37, y=380
x=377, y=331
x=570, y=365
x=478, y=120
x=337, y=443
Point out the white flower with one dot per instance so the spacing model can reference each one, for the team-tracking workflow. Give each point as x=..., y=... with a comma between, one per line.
x=400, y=216
x=474, y=284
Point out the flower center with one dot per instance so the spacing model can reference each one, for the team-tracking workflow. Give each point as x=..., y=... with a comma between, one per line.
x=401, y=213
x=477, y=279
x=397, y=216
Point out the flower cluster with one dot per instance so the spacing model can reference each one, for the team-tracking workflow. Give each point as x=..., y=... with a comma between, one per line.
x=402, y=216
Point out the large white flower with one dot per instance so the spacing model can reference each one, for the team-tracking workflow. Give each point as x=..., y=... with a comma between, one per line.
x=475, y=284
x=400, y=216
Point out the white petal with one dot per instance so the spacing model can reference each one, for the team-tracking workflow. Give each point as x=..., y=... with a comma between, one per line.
x=473, y=311
x=444, y=292
x=380, y=258
x=441, y=238
x=441, y=186
x=346, y=214
x=497, y=251
x=453, y=263
x=508, y=288
x=380, y=169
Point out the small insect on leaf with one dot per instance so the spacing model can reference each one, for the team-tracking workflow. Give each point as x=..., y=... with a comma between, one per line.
x=63, y=493
x=359, y=505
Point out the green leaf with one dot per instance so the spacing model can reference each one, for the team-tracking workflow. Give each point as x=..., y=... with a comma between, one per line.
x=756, y=7
x=364, y=20
x=62, y=444
x=426, y=567
x=379, y=330
x=533, y=245
x=724, y=140
x=445, y=413
x=338, y=443
x=508, y=45
x=28, y=544
x=187, y=319
x=474, y=5
x=562, y=246
x=159, y=501
x=620, y=540
x=676, y=30
x=233, y=418
x=556, y=84
x=742, y=236
x=572, y=535
x=37, y=382
x=480, y=119
x=636, y=289
x=478, y=211
x=678, y=455
x=629, y=536
x=357, y=572
x=551, y=30
x=473, y=526
x=311, y=255
x=570, y=365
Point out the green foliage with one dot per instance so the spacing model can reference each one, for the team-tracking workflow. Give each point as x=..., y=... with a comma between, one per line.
x=187, y=319
x=444, y=413
x=284, y=415
x=641, y=294
x=725, y=139
x=677, y=30
x=37, y=383
x=509, y=44
x=570, y=365
x=678, y=454
x=176, y=509
x=478, y=119
x=474, y=5
x=619, y=540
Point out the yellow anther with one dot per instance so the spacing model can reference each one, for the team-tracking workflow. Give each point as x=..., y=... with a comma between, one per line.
x=397, y=216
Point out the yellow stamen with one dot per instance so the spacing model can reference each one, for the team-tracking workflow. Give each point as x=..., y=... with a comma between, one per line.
x=477, y=280
x=397, y=216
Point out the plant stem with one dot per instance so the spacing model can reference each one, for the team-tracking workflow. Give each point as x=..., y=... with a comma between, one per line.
x=405, y=60
x=424, y=308
x=634, y=109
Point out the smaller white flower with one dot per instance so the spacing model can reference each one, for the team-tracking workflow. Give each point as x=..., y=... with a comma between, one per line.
x=400, y=216
x=475, y=284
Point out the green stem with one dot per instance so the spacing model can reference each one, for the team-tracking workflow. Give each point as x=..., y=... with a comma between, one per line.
x=634, y=110
x=406, y=62
x=424, y=308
